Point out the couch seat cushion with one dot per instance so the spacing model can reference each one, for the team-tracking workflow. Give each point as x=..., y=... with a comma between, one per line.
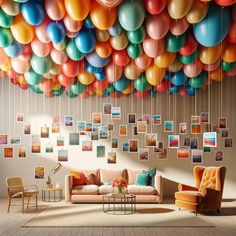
x=141, y=190
x=189, y=196
x=85, y=189
x=105, y=189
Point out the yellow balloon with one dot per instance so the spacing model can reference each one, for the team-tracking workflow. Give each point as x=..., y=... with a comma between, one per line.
x=102, y=35
x=175, y=66
x=99, y=92
x=120, y=41
x=6, y=65
x=55, y=69
x=48, y=76
x=21, y=79
x=165, y=59
x=22, y=31
x=59, y=46
x=85, y=78
x=56, y=86
x=10, y=7
x=229, y=53
x=155, y=74
x=131, y=71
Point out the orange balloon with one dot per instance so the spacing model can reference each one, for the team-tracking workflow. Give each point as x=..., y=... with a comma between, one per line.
x=3, y=56
x=85, y=78
x=229, y=53
x=129, y=90
x=231, y=37
x=55, y=9
x=165, y=59
x=113, y=72
x=217, y=75
x=72, y=25
x=175, y=66
x=131, y=71
x=143, y=61
x=21, y=79
x=211, y=67
x=102, y=35
x=155, y=74
x=46, y=85
x=178, y=27
x=103, y=49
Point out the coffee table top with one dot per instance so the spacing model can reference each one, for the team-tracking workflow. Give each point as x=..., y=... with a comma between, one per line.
x=115, y=195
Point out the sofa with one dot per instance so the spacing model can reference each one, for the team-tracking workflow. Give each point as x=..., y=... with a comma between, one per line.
x=94, y=193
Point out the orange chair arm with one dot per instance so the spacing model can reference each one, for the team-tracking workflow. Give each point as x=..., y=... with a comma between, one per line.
x=208, y=192
x=184, y=187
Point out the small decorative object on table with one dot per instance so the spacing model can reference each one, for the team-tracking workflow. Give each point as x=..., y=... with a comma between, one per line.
x=52, y=172
x=120, y=185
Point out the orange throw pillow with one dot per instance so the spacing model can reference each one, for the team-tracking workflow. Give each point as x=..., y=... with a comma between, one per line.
x=78, y=178
x=92, y=179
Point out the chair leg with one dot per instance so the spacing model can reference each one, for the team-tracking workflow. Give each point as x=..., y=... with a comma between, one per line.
x=9, y=204
x=23, y=203
x=28, y=202
x=36, y=198
x=196, y=213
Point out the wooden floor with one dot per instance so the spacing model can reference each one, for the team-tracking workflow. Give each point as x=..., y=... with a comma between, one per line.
x=224, y=224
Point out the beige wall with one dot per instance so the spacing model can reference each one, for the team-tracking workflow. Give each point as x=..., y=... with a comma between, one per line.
x=219, y=100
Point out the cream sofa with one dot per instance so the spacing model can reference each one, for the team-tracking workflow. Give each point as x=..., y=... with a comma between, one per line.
x=94, y=193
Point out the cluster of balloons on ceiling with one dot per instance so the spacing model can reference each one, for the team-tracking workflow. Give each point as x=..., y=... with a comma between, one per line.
x=115, y=47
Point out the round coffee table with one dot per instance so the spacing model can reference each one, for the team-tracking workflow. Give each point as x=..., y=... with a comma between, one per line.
x=119, y=204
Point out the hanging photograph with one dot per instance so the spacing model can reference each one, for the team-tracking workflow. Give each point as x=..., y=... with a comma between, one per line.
x=182, y=128
x=197, y=156
x=228, y=142
x=219, y=155
x=68, y=121
x=147, y=118
x=194, y=143
x=27, y=128
x=36, y=144
x=187, y=142
x=156, y=119
x=96, y=119
x=19, y=117
x=94, y=133
x=173, y=141
x=125, y=147
x=131, y=118
x=123, y=130
x=60, y=141
x=45, y=132
x=8, y=152
x=55, y=125
x=107, y=108
x=206, y=127
x=81, y=127
x=49, y=148
x=210, y=139
x=183, y=152
x=159, y=147
x=73, y=138
x=204, y=117
x=103, y=132
x=143, y=154
x=133, y=145
x=110, y=126
x=142, y=126
x=222, y=122
x=163, y=154
x=150, y=140
x=15, y=140
x=196, y=128
x=111, y=157
x=62, y=155
x=168, y=126
x=22, y=152
x=114, y=142
x=195, y=119
x=216, y=129
x=88, y=126
x=100, y=151
x=115, y=113
x=39, y=172
x=224, y=133
x=206, y=149
x=135, y=130
x=87, y=146
x=3, y=139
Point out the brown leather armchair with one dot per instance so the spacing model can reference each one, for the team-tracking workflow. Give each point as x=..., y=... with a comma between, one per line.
x=207, y=194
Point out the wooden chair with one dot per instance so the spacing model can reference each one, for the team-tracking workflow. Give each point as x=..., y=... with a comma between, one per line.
x=16, y=189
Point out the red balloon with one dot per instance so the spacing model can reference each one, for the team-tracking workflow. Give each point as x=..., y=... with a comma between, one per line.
x=225, y=3
x=120, y=57
x=46, y=85
x=163, y=86
x=142, y=94
x=183, y=91
x=190, y=46
x=12, y=74
x=155, y=7
x=64, y=80
x=14, y=81
x=71, y=68
x=84, y=95
x=26, y=53
x=100, y=84
x=115, y=95
x=67, y=89
x=24, y=86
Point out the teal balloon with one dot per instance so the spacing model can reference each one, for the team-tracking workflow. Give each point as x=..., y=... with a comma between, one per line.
x=59, y=91
x=178, y=78
x=6, y=37
x=110, y=89
x=32, y=77
x=131, y=14
x=121, y=84
x=173, y=43
x=72, y=51
x=226, y=66
x=188, y=59
x=77, y=88
x=214, y=27
x=141, y=83
x=41, y=65
x=5, y=20
x=137, y=36
x=134, y=50
x=71, y=95
x=36, y=89
x=198, y=81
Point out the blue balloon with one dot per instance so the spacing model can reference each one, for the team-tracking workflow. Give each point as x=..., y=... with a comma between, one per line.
x=85, y=41
x=33, y=12
x=106, y=94
x=152, y=92
x=121, y=84
x=191, y=91
x=14, y=50
x=91, y=69
x=115, y=29
x=174, y=89
x=178, y=78
x=96, y=61
x=100, y=76
x=214, y=27
x=56, y=31
x=88, y=23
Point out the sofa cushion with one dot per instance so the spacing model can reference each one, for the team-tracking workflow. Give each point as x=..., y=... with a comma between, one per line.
x=141, y=190
x=92, y=179
x=189, y=196
x=91, y=189
x=132, y=174
x=151, y=172
x=78, y=178
x=105, y=189
x=142, y=179
x=110, y=175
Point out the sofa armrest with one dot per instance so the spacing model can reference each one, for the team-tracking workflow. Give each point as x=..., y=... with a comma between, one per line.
x=68, y=187
x=159, y=186
x=208, y=192
x=184, y=187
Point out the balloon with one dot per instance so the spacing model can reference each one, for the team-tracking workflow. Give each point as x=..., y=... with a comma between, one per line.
x=193, y=69
x=6, y=65
x=72, y=51
x=85, y=41
x=231, y=72
x=40, y=49
x=131, y=71
x=109, y=3
x=158, y=25
x=5, y=19
x=14, y=50
x=100, y=84
x=64, y=80
x=59, y=91
x=22, y=31
x=59, y=57
x=190, y=45
x=129, y=89
x=141, y=83
x=143, y=62
x=136, y=36
x=213, y=66
x=72, y=25
x=229, y=53
x=100, y=76
x=71, y=95
x=102, y=17
x=175, y=66
x=84, y=95
x=12, y=74
x=155, y=7
x=113, y=72
x=59, y=46
x=77, y=88
x=134, y=50
x=24, y=86
x=41, y=31
x=36, y=89
x=32, y=77
x=188, y=59
x=119, y=42
x=56, y=31
x=174, y=89
x=163, y=86
x=179, y=8
x=10, y=8
x=3, y=57
x=121, y=84
x=178, y=78
x=26, y=53
x=96, y=61
x=165, y=59
x=155, y=74
x=41, y=65
x=33, y=12
x=197, y=12
x=174, y=43
x=20, y=66
x=207, y=32
x=91, y=69
x=115, y=29
x=225, y=3
x=131, y=14
x=142, y=94
x=178, y=27
x=85, y=78
x=231, y=37
x=46, y=85
x=88, y=24
x=102, y=35
x=55, y=69
x=153, y=48
x=191, y=91
x=6, y=38
x=217, y=75
x=198, y=81
x=120, y=58
x=77, y=9
x=55, y=9
x=103, y=49
x=71, y=68
x=226, y=66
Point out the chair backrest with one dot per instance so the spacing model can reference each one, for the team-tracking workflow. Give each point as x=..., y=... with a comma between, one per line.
x=14, y=185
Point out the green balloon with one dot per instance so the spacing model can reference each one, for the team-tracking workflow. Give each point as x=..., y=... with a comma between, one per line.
x=110, y=89
x=36, y=89
x=73, y=52
x=137, y=36
x=77, y=88
x=59, y=92
x=188, y=59
x=41, y=65
x=173, y=43
x=6, y=37
x=71, y=95
x=141, y=83
x=5, y=20
x=32, y=77
x=134, y=50
x=198, y=81
x=226, y=66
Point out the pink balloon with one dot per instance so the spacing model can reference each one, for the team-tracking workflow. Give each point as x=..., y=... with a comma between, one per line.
x=143, y=61
x=20, y=66
x=193, y=69
x=58, y=56
x=55, y=9
x=158, y=25
x=211, y=67
x=40, y=49
x=41, y=31
x=71, y=34
x=153, y=48
x=113, y=72
x=72, y=25
x=178, y=27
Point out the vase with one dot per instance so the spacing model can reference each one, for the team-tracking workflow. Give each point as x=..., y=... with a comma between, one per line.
x=120, y=191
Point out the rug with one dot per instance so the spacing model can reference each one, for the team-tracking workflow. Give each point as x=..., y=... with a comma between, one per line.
x=92, y=215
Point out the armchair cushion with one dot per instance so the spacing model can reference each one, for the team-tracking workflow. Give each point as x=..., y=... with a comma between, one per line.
x=189, y=196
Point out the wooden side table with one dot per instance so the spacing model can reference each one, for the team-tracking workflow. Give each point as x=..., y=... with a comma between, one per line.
x=56, y=194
